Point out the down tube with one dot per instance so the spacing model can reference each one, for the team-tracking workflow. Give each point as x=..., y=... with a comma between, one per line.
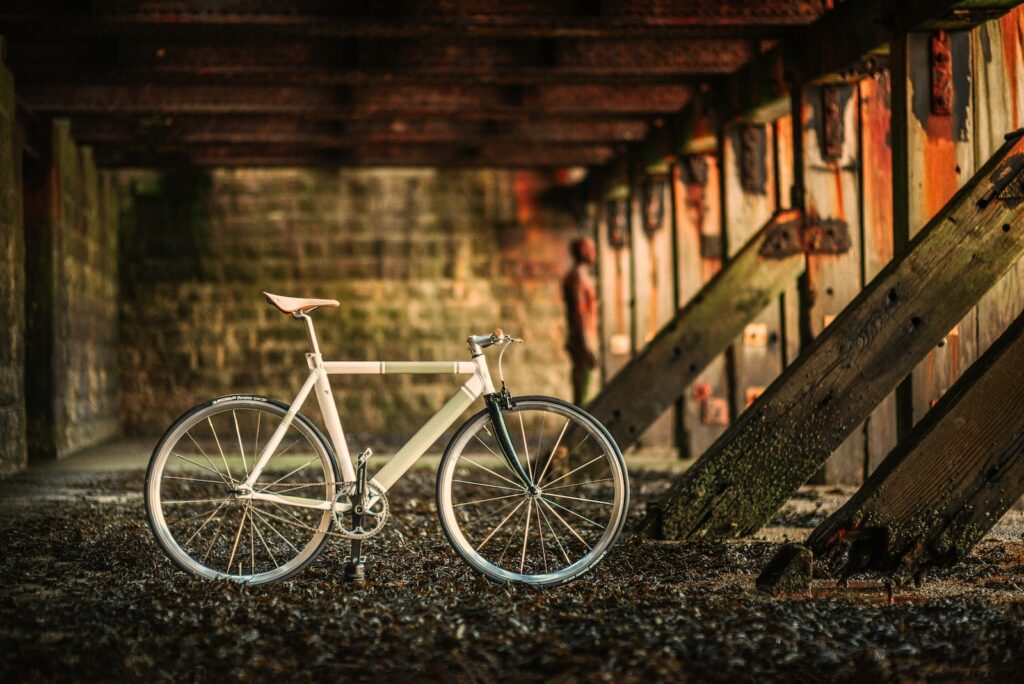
x=428, y=434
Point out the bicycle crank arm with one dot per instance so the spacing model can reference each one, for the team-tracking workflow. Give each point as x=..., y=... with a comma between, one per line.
x=319, y=504
x=508, y=450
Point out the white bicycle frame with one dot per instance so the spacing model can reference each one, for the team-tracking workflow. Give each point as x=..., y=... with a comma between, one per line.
x=477, y=385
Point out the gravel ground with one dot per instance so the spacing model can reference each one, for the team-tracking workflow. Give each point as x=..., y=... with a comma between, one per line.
x=88, y=596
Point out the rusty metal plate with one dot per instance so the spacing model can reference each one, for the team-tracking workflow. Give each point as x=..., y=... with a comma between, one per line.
x=653, y=195
x=941, y=74
x=755, y=335
x=701, y=390
x=710, y=246
x=783, y=240
x=826, y=236
x=618, y=223
x=714, y=411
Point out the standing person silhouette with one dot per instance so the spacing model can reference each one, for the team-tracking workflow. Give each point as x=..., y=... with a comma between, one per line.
x=581, y=312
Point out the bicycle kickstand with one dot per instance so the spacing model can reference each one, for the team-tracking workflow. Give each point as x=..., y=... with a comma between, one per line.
x=355, y=564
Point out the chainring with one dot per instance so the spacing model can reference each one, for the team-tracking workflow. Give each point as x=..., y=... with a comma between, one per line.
x=374, y=517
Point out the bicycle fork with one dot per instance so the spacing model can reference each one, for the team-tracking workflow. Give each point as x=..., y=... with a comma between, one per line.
x=497, y=403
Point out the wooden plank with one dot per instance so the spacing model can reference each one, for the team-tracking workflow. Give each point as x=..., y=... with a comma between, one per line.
x=647, y=386
x=998, y=80
x=831, y=169
x=877, y=232
x=750, y=191
x=614, y=275
x=697, y=211
x=776, y=446
x=947, y=484
x=653, y=286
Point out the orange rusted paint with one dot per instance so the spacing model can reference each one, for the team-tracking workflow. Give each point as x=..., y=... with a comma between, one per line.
x=876, y=144
x=1011, y=25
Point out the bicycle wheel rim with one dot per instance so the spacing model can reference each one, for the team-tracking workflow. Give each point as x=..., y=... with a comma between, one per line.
x=547, y=519
x=252, y=534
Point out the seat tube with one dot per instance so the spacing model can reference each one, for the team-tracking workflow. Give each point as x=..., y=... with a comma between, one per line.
x=329, y=411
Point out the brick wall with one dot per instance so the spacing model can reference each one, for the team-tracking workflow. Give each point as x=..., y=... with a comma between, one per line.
x=12, y=287
x=418, y=259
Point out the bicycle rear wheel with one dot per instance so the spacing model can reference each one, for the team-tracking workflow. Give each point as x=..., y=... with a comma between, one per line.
x=554, y=533
x=191, y=485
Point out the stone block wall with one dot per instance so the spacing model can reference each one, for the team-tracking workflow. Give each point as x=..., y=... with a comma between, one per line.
x=12, y=287
x=71, y=299
x=418, y=258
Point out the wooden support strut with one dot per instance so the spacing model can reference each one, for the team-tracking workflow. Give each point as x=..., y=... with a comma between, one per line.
x=649, y=384
x=944, y=486
x=778, y=444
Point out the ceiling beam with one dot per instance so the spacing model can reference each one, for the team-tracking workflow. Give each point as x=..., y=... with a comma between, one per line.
x=676, y=19
x=504, y=155
x=186, y=130
x=470, y=102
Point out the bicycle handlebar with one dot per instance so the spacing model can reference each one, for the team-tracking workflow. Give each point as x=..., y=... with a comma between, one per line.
x=498, y=336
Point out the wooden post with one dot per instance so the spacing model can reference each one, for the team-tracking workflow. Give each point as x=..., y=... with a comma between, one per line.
x=788, y=434
x=697, y=200
x=750, y=183
x=831, y=170
x=936, y=157
x=947, y=484
x=650, y=383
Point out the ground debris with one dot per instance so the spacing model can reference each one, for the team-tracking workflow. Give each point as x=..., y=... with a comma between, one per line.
x=88, y=596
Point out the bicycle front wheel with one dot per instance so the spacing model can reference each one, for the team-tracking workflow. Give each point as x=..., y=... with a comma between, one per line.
x=549, y=535
x=192, y=495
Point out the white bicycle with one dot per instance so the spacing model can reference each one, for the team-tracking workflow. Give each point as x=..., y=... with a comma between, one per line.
x=531, y=489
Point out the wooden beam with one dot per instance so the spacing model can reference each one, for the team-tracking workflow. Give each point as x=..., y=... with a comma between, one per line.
x=679, y=19
x=652, y=381
x=488, y=102
x=780, y=442
x=946, y=484
x=842, y=45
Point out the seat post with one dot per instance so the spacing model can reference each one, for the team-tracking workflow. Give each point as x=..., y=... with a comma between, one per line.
x=309, y=331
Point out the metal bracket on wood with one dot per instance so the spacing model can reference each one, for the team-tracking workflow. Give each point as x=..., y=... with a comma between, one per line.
x=653, y=194
x=942, y=74
x=810, y=235
x=710, y=246
x=618, y=223
x=753, y=159
x=832, y=124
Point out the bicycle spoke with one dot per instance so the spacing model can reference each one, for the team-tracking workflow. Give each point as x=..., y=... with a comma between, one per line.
x=540, y=439
x=576, y=498
x=511, y=538
x=555, y=535
x=264, y=515
x=526, y=449
x=540, y=531
x=193, y=517
x=187, y=501
x=216, y=536
x=222, y=457
x=192, y=479
x=578, y=484
x=526, y=535
x=238, y=536
x=241, y=450
x=553, y=450
x=270, y=553
x=480, y=501
x=291, y=473
x=252, y=545
x=501, y=459
x=596, y=458
x=500, y=525
x=467, y=458
x=562, y=520
x=206, y=522
x=292, y=489
x=569, y=510
x=200, y=465
x=496, y=512
x=484, y=484
x=212, y=468
x=256, y=446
